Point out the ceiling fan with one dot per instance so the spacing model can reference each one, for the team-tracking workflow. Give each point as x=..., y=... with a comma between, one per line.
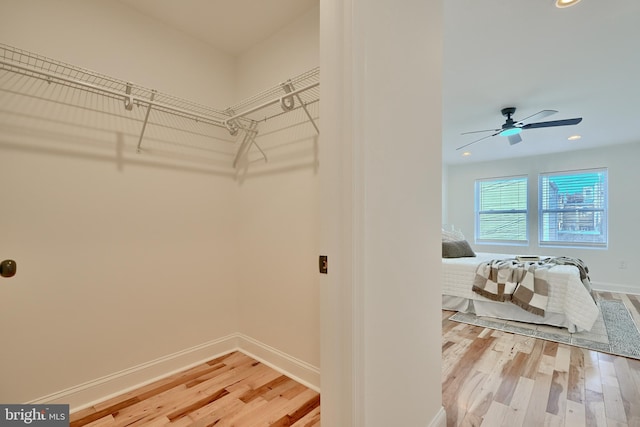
x=511, y=128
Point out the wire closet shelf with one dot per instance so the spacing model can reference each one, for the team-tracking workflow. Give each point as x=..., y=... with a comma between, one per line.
x=241, y=121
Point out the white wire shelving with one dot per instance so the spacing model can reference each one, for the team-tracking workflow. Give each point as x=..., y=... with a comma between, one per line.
x=160, y=118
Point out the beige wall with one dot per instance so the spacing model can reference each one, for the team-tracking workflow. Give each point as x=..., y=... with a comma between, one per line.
x=291, y=51
x=115, y=40
x=278, y=212
x=124, y=258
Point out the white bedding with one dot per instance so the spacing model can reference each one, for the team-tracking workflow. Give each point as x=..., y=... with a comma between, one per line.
x=570, y=302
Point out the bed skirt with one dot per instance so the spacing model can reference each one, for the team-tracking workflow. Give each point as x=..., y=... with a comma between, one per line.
x=504, y=311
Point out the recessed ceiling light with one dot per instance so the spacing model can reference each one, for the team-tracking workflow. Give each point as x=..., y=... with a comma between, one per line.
x=566, y=3
x=466, y=154
x=574, y=137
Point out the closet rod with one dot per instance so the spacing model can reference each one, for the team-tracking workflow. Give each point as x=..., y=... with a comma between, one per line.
x=125, y=96
x=273, y=101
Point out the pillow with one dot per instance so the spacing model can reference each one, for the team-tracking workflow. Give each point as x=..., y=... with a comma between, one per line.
x=457, y=249
x=452, y=236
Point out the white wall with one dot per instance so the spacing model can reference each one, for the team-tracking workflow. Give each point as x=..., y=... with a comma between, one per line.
x=624, y=202
x=401, y=143
x=381, y=143
x=279, y=204
x=119, y=261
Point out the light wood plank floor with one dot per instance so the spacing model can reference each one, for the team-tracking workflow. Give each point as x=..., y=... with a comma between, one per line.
x=489, y=378
x=494, y=378
x=232, y=390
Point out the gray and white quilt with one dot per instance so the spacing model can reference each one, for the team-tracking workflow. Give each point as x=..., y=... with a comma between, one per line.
x=523, y=283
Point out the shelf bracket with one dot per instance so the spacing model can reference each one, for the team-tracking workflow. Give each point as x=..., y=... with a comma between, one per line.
x=232, y=124
x=128, y=100
x=288, y=105
x=264, y=155
x=146, y=119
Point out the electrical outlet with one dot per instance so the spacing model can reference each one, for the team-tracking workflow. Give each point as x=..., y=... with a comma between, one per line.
x=623, y=265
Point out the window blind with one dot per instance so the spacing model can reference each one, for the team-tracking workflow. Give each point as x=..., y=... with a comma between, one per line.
x=573, y=208
x=501, y=210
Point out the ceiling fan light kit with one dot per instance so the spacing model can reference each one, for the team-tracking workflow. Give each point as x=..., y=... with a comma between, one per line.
x=510, y=131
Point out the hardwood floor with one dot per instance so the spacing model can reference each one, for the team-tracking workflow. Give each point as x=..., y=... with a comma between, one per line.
x=494, y=378
x=489, y=378
x=232, y=390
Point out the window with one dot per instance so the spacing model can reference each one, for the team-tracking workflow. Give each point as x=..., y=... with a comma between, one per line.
x=501, y=210
x=573, y=208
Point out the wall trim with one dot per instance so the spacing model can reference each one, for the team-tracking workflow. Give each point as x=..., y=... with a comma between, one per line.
x=284, y=363
x=615, y=287
x=91, y=392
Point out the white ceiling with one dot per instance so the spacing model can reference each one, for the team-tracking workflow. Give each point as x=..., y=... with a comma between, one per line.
x=583, y=61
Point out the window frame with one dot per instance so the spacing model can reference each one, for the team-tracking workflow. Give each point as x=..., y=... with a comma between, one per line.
x=478, y=213
x=604, y=211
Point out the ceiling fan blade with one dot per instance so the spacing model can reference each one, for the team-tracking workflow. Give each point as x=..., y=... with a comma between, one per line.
x=514, y=139
x=539, y=115
x=480, y=131
x=477, y=140
x=566, y=122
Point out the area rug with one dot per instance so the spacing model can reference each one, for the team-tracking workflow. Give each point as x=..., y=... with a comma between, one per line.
x=614, y=331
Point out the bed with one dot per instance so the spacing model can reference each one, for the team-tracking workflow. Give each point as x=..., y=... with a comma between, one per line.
x=570, y=303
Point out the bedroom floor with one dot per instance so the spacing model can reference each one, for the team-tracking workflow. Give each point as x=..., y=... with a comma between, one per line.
x=493, y=378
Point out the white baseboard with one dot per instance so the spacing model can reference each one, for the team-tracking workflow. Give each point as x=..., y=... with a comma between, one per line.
x=440, y=420
x=91, y=392
x=295, y=369
x=615, y=287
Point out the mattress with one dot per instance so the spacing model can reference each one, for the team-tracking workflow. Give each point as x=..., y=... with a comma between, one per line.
x=570, y=304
